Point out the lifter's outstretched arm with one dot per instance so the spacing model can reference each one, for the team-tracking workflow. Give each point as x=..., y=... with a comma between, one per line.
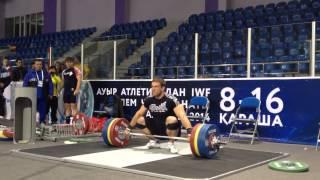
x=138, y=114
x=181, y=114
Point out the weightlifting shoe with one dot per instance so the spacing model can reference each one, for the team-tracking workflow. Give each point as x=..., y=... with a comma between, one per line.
x=152, y=144
x=172, y=148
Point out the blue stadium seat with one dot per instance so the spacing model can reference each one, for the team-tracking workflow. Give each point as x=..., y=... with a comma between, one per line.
x=293, y=6
x=308, y=16
x=286, y=68
x=216, y=70
x=183, y=60
x=162, y=61
x=175, y=49
x=193, y=19
x=303, y=67
x=218, y=36
x=279, y=51
x=248, y=12
x=182, y=73
x=239, y=24
x=288, y=38
x=219, y=16
x=204, y=48
x=190, y=71
x=228, y=15
x=172, y=37
x=240, y=70
x=303, y=37
x=250, y=22
x=272, y=20
x=210, y=18
x=216, y=53
x=270, y=9
x=271, y=68
x=165, y=50
x=202, y=19
x=209, y=27
x=228, y=25
x=171, y=74
x=184, y=49
x=172, y=60
x=238, y=14
x=288, y=29
x=219, y=26
x=182, y=28
x=160, y=72
x=296, y=18
x=315, y=5
x=317, y=66
x=281, y=8
x=259, y=11
x=257, y=70
x=204, y=59
x=162, y=23
x=204, y=71
x=305, y=4
x=263, y=52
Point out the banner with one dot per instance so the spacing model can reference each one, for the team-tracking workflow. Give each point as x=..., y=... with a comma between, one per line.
x=289, y=110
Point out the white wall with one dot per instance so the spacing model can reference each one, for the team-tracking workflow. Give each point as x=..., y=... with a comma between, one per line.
x=222, y=5
x=88, y=13
x=22, y=7
x=173, y=10
x=2, y=21
x=233, y=4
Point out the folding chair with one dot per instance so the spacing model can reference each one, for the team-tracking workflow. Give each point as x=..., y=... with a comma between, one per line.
x=318, y=139
x=197, y=110
x=240, y=125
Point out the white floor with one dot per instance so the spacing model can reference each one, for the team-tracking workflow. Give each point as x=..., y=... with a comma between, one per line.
x=130, y=156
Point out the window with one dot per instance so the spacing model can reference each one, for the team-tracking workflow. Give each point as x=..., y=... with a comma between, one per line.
x=27, y=25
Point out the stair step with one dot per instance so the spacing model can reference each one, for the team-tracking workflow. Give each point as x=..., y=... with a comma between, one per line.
x=160, y=36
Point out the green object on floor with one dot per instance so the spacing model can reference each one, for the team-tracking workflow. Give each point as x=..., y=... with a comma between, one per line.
x=288, y=166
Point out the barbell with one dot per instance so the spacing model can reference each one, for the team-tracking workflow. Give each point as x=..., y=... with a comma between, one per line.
x=204, y=140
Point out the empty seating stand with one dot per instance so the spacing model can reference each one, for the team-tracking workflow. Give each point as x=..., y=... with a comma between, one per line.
x=37, y=46
x=280, y=33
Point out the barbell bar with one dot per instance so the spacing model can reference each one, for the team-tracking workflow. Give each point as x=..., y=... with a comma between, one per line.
x=204, y=140
x=157, y=136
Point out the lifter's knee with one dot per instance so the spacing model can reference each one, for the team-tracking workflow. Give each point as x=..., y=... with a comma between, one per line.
x=172, y=123
x=141, y=124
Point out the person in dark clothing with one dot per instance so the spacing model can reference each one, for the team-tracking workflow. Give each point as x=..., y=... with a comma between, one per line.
x=160, y=114
x=19, y=71
x=40, y=78
x=53, y=102
x=71, y=83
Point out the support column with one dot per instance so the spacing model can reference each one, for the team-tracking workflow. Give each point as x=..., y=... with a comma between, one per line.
x=211, y=5
x=121, y=12
x=2, y=19
x=50, y=15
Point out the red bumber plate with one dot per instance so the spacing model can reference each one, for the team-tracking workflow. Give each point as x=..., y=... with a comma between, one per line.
x=115, y=132
x=80, y=123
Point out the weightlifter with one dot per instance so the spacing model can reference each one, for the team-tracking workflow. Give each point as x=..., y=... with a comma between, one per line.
x=71, y=78
x=160, y=114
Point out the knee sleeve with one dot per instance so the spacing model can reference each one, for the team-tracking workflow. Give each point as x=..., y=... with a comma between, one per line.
x=140, y=126
x=173, y=126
